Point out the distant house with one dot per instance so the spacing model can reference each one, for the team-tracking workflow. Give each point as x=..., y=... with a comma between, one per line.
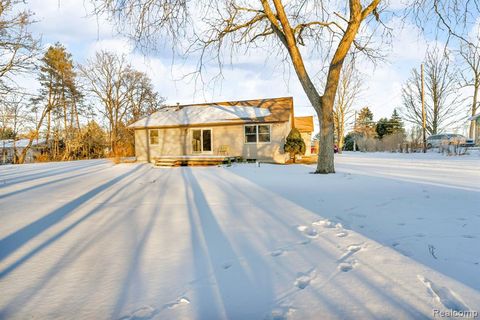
x=250, y=129
x=476, y=135
x=8, y=148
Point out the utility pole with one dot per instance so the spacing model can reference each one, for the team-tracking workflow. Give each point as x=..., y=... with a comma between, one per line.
x=424, y=116
x=355, y=132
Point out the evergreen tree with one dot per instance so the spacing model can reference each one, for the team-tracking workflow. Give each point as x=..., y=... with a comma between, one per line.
x=349, y=141
x=383, y=128
x=294, y=144
x=365, y=126
x=396, y=122
x=57, y=99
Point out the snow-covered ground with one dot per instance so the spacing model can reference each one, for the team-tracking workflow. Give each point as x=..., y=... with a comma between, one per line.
x=387, y=237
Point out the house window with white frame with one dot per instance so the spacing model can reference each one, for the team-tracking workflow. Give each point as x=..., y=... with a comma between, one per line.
x=153, y=133
x=257, y=133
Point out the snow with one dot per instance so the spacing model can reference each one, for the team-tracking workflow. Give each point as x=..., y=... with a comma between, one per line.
x=389, y=236
x=204, y=114
x=22, y=143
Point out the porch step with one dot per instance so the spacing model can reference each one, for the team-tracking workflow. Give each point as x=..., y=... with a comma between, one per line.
x=167, y=162
x=191, y=161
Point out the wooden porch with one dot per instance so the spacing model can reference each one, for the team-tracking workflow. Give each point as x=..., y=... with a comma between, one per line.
x=195, y=160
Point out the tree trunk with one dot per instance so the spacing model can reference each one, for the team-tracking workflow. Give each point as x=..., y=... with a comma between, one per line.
x=23, y=155
x=474, y=110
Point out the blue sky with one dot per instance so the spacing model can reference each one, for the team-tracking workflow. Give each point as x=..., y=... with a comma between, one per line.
x=250, y=77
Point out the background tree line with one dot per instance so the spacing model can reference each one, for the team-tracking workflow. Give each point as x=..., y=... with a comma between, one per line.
x=79, y=111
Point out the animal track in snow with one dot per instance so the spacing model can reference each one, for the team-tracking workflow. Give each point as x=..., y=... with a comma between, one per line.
x=177, y=303
x=304, y=279
x=468, y=236
x=308, y=231
x=226, y=265
x=444, y=295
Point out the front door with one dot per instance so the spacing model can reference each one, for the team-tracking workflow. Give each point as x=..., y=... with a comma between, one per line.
x=202, y=140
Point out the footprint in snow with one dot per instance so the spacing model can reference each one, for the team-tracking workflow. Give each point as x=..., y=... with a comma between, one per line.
x=449, y=299
x=276, y=253
x=177, y=303
x=342, y=234
x=226, y=265
x=346, y=266
x=351, y=250
x=401, y=224
x=468, y=236
x=324, y=223
x=354, y=248
x=308, y=231
x=142, y=313
x=281, y=313
x=304, y=279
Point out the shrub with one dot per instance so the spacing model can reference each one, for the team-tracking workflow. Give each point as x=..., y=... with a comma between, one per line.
x=294, y=144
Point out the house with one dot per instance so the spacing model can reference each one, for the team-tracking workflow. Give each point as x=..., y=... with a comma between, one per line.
x=8, y=149
x=250, y=129
x=305, y=126
x=476, y=133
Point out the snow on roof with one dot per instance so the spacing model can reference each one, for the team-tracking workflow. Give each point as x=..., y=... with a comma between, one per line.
x=272, y=110
x=22, y=143
x=180, y=116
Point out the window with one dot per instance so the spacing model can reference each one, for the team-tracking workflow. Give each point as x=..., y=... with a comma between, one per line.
x=251, y=134
x=202, y=140
x=257, y=133
x=154, y=136
x=263, y=133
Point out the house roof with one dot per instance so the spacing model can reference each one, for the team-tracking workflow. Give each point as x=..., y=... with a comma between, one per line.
x=304, y=124
x=22, y=143
x=260, y=110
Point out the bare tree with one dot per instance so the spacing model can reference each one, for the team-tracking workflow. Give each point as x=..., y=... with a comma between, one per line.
x=349, y=89
x=470, y=77
x=125, y=94
x=141, y=95
x=442, y=99
x=17, y=46
x=15, y=115
x=320, y=26
x=106, y=75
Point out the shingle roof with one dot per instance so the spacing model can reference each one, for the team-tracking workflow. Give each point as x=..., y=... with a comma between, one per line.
x=260, y=110
x=304, y=124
